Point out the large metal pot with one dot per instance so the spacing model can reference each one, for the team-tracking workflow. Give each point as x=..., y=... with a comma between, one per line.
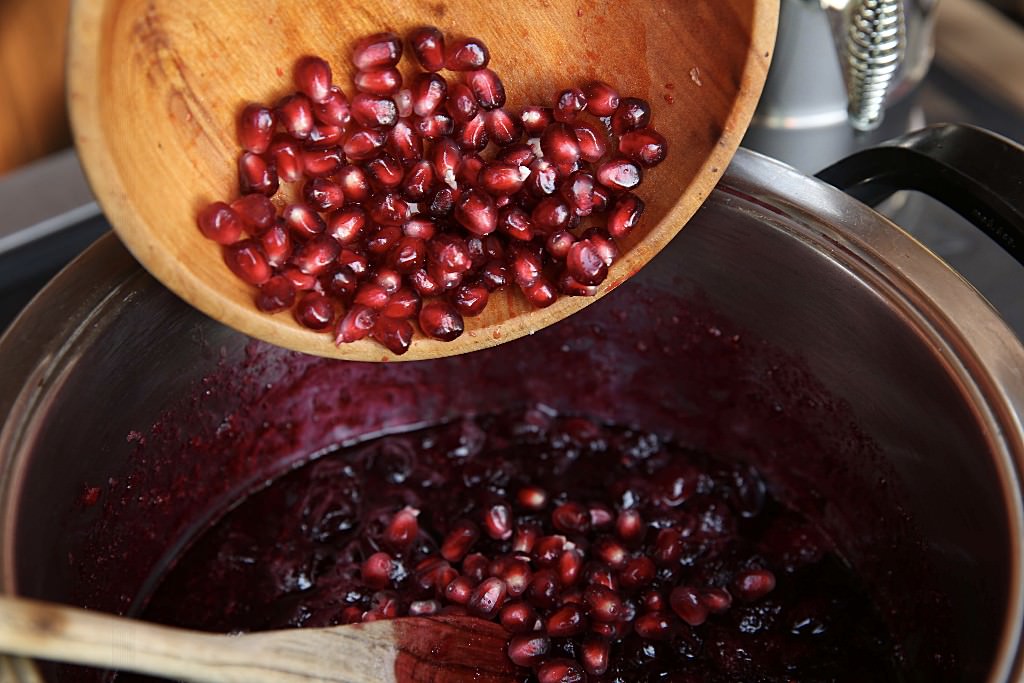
x=789, y=325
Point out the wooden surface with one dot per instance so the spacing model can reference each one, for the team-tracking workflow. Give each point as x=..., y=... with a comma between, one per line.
x=32, y=49
x=155, y=87
x=409, y=650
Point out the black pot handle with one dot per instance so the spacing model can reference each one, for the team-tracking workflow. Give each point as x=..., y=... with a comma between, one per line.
x=975, y=172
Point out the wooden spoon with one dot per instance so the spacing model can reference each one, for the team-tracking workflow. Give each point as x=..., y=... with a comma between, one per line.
x=155, y=87
x=407, y=650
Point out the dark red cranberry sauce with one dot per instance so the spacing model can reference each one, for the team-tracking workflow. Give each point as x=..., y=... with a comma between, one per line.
x=604, y=550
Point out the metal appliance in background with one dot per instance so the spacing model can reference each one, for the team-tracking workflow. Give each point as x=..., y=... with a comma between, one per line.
x=842, y=78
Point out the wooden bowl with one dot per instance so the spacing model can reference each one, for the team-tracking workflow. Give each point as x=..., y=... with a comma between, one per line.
x=155, y=88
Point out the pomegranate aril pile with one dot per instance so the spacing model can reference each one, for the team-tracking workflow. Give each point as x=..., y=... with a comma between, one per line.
x=436, y=157
x=607, y=554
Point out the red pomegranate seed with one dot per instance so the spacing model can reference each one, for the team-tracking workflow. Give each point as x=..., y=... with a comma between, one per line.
x=544, y=589
x=560, y=671
x=389, y=279
x=364, y=144
x=403, y=304
x=632, y=113
x=428, y=570
x=568, y=104
x=419, y=182
x=469, y=171
x=295, y=112
x=602, y=517
x=313, y=78
x=625, y=214
x=601, y=575
x=525, y=538
x=559, y=144
x=300, y=281
x=381, y=82
x=602, y=99
x=356, y=324
x=429, y=91
x=404, y=143
x=323, y=194
x=434, y=126
x=526, y=267
x=645, y=146
x=566, y=622
x=652, y=601
x=324, y=136
x=466, y=54
x=277, y=244
x=287, y=156
x=529, y=649
x=535, y=120
x=314, y=311
x=377, y=51
x=571, y=518
x=593, y=141
x=532, y=498
x=356, y=261
x=570, y=565
x=754, y=584
x=427, y=45
x=604, y=244
x=543, y=180
x=256, y=175
x=578, y=191
x=686, y=603
x=303, y=220
x=653, y=626
x=346, y=225
x=425, y=285
x=502, y=128
x=460, y=590
x=594, y=654
x=541, y=293
x=385, y=170
x=340, y=282
x=584, y=263
x=475, y=566
x=547, y=550
x=256, y=128
x=470, y=300
x=322, y=162
x=220, y=223
x=424, y=608
x=408, y=254
x=388, y=208
x=374, y=111
x=372, y=295
x=716, y=600
x=488, y=598
x=611, y=552
x=494, y=275
x=464, y=533
x=394, y=334
x=517, y=576
x=376, y=570
x=276, y=294
x=450, y=253
x=668, y=547
x=382, y=240
x=519, y=154
x=316, y=255
x=472, y=136
x=518, y=617
x=476, y=212
x=551, y=213
x=637, y=573
x=334, y=110
x=447, y=159
x=567, y=285
x=487, y=88
x=619, y=174
x=462, y=104
x=420, y=227
x=498, y=178
x=440, y=320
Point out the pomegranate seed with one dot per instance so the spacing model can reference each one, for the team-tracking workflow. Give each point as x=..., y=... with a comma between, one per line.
x=355, y=261
x=631, y=114
x=440, y=320
x=314, y=311
x=584, y=263
x=602, y=99
x=466, y=54
x=220, y=223
x=462, y=103
x=394, y=334
x=383, y=240
x=653, y=601
x=568, y=104
x=425, y=286
x=503, y=128
x=427, y=45
x=498, y=178
x=567, y=285
x=303, y=220
x=619, y=174
x=611, y=552
x=428, y=570
x=571, y=518
x=592, y=140
x=276, y=294
x=374, y=111
x=388, y=208
x=686, y=603
x=450, y=252
x=434, y=126
x=420, y=227
x=322, y=194
x=419, y=181
x=377, y=51
x=316, y=255
x=459, y=591
x=346, y=225
x=541, y=294
x=602, y=517
x=528, y=649
x=517, y=155
x=754, y=584
x=637, y=572
x=380, y=82
x=535, y=120
x=559, y=144
x=487, y=88
x=464, y=533
x=578, y=191
x=601, y=575
x=526, y=267
x=300, y=281
x=295, y=112
x=385, y=170
x=560, y=671
x=429, y=91
x=551, y=213
x=408, y=254
x=286, y=154
x=364, y=144
x=566, y=622
x=372, y=295
x=476, y=566
x=354, y=182
x=324, y=136
x=256, y=212
x=403, y=304
x=404, y=143
x=356, y=324
x=424, y=608
x=594, y=655
x=472, y=136
x=476, y=212
x=603, y=604
x=313, y=78
x=494, y=275
x=543, y=180
x=547, y=550
x=470, y=300
x=376, y=570
x=470, y=170
x=653, y=626
x=488, y=598
x=668, y=547
x=246, y=260
x=625, y=214
x=544, y=589
x=256, y=128
x=256, y=175
x=518, y=617
x=517, y=575
x=716, y=600
x=604, y=244
x=322, y=162
x=277, y=244
x=645, y=146
x=532, y=498
x=334, y=110
x=570, y=563
x=447, y=158
x=341, y=282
